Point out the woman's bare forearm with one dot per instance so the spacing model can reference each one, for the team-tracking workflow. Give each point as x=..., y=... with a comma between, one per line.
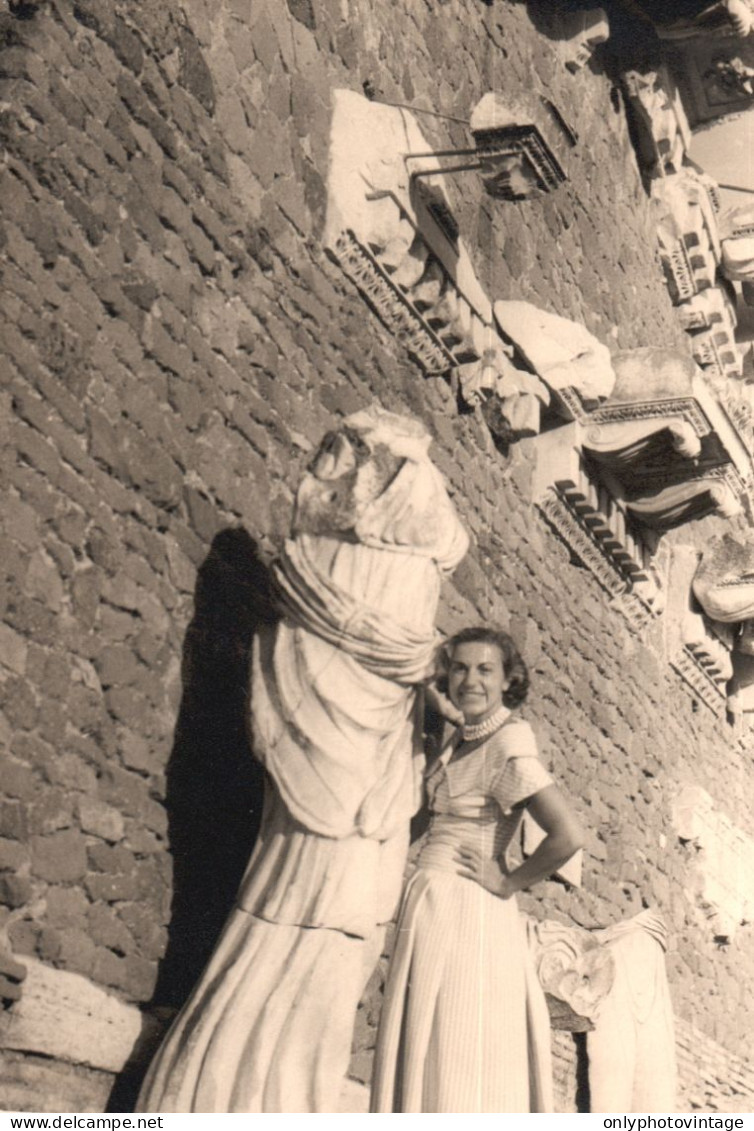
x=549, y=855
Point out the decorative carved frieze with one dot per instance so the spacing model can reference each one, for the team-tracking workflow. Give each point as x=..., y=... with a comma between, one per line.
x=703, y=685
x=710, y=308
x=687, y=235
x=716, y=349
x=66, y=1017
x=661, y=127
x=593, y=523
x=390, y=304
x=698, y=649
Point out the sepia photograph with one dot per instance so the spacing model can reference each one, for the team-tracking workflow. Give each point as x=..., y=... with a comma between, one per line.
x=377, y=510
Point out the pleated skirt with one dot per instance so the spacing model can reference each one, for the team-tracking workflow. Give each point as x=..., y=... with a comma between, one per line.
x=464, y=1025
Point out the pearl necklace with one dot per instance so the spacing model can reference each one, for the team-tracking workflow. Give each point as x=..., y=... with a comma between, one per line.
x=473, y=731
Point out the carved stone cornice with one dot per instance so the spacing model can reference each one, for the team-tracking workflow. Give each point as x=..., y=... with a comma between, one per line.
x=711, y=307
x=721, y=862
x=684, y=409
x=701, y=681
x=592, y=522
x=698, y=649
x=514, y=156
x=677, y=453
x=715, y=349
x=582, y=33
x=668, y=470
x=687, y=235
x=391, y=304
x=687, y=273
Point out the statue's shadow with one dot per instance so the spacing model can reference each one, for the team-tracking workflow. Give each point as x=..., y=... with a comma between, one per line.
x=214, y=787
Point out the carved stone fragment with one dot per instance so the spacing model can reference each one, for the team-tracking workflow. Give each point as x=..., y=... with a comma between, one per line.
x=715, y=349
x=662, y=436
x=723, y=583
x=698, y=648
x=400, y=246
x=710, y=308
x=631, y=1049
x=737, y=223
x=687, y=234
x=520, y=145
x=590, y=519
x=563, y=353
x=738, y=258
x=662, y=129
x=720, y=876
x=581, y=33
x=574, y=970
x=612, y=984
x=511, y=398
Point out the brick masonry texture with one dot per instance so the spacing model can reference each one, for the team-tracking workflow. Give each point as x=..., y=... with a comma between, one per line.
x=176, y=341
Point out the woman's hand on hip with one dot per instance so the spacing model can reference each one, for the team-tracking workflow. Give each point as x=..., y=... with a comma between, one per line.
x=486, y=872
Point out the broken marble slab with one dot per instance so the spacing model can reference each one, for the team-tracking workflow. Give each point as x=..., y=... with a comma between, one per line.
x=738, y=258
x=582, y=32
x=563, y=353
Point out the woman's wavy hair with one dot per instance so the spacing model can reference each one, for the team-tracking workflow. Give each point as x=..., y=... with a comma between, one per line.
x=513, y=665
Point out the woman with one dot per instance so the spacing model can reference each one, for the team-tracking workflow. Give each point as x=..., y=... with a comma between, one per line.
x=464, y=1025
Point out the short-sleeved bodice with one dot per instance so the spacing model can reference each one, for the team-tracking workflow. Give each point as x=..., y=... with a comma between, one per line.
x=475, y=799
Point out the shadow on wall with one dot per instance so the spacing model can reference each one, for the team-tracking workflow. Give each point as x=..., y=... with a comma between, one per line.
x=214, y=787
x=633, y=40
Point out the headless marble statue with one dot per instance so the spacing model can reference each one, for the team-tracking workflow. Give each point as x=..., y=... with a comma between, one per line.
x=612, y=985
x=334, y=721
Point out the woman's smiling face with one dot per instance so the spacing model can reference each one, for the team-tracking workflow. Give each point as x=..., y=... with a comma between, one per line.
x=476, y=679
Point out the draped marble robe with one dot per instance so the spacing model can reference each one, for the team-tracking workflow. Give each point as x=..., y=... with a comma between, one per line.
x=334, y=721
x=631, y=1049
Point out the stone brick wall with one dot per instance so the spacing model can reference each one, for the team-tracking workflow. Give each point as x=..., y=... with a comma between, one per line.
x=176, y=343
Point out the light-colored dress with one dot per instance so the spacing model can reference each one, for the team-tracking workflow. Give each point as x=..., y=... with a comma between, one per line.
x=464, y=1025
